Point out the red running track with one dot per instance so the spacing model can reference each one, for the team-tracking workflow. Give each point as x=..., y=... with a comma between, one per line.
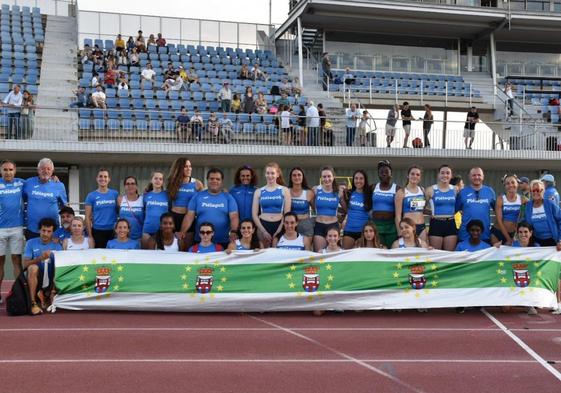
x=439, y=351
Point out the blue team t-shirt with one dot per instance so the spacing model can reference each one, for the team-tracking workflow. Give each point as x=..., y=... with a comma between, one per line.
x=130, y=244
x=35, y=247
x=155, y=204
x=356, y=215
x=43, y=200
x=475, y=205
x=215, y=209
x=467, y=246
x=243, y=194
x=104, y=208
x=62, y=234
x=11, y=203
x=205, y=249
x=185, y=193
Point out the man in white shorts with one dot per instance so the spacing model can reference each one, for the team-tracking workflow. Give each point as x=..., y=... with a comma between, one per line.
x=393, y=115
x=11, y=218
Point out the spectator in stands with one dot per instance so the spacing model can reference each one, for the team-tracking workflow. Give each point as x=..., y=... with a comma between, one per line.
x=151, y=40
x=161, y=41
x=40, y=266
x=197, y=125
x=286, y=128
x=81, y=98
x=312, y=122
x=123, y=84
x=301, y=125
x=257, y=73
x=236, y=104
x=348, y=77
x=510, y=99
x=244, y=72
x=285, y=86
x=182, y=125
x=550, y=191
x=27, y=110
x=170, y=72
x=226, y=127
x=44, y=197
x=97, y=54
x=352, y=116
x=261, y=103
x=469, y=128
x=120, y=44
x=134, y=59
x=95, y=79
x=192, y=76
x=391, y=120
x=406, y=118
x=147, y=74
x=213, y=126
x=14, y=101
x=110, y=79
x=363, y=126
x=174, y=84
x=326, y=133
x=130, y=44
x=98, y=97
x=140, y=43
x=248, y=104
x=326, y=70
x=225, y=97
x=428, y=120
x=296, y=88
x=283, y=100
x=182, y=73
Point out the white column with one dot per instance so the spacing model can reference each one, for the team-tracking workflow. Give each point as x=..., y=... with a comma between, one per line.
x=493, y=61
x=470, y=58
x=323, y=41
x=74, y=188
x=300, y=54
x=459, y=56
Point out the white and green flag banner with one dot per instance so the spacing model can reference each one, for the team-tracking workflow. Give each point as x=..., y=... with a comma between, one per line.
x=283, y=280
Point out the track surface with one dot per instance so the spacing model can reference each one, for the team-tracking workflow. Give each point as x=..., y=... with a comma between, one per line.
x=439, y=351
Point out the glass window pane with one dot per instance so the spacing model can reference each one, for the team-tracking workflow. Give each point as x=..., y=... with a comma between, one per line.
x=88, y=22
x=130, y=24
x=190, y=30
x=228, y=34
x=209, y=33
x=248, y=34
x=109, y=24
x=149, y=25
x=170, y=29
x=47, y=6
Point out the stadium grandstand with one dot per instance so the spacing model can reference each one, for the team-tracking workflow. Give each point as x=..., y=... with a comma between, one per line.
x=451, y=55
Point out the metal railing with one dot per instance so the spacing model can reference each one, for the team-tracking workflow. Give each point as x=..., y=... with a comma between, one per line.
x=161, y=126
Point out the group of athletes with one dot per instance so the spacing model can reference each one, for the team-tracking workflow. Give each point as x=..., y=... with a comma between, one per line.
x=176, y=213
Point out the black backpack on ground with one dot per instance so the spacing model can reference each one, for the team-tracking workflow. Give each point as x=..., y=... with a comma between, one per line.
x=18, y=301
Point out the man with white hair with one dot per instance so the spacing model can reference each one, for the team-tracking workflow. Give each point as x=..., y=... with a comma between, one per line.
x=44, y=197
x=312, y=120
x=550, y=191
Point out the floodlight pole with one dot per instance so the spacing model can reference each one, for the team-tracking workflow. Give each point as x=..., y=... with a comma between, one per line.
x=300, y=54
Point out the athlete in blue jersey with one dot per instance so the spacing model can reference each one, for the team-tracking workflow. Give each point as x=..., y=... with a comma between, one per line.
x=40, y=266
x=131, y=207
x=216, y=207
x=410, y=202
x=181, y=187
x=476, y=202
x=247, y=238
x=359, y=203
x=43, y=196
x=507, y=212
x=302, y=198
x=443, y=234
x=207, y=244
x=525, y=236
x=383, y=204
x=473, y=242
x=550, y=190
x=245, y=181
x=11, y=218
x=327, y=200
x=270, y=203
x=122, y=240
x=101, y=210
x=544, y=215
x=156, y=203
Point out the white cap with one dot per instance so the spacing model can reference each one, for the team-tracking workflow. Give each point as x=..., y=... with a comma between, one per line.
x=548, y=177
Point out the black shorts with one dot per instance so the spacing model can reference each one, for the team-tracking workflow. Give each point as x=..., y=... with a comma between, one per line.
x=354, y=235
x=546, y=242
x=442, y=227
x=419, y=228
x=499, y=235
x=320, y=229
x=178, y=222
x=102, y=236
x=271, y=226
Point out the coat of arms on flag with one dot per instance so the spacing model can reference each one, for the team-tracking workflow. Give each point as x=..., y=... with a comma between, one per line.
x=310, y=280
x=417, y=277
x=204, y=280
x=102, y=279
x=520, y=275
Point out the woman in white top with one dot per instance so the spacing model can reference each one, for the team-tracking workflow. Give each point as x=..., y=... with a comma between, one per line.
x=410, y=202
x=289, y=238
x=165, y=239
x=408, y=236
x=333, y=238
x=247, y=239
x=77, y=240
x=286, y=129
x=269, y=204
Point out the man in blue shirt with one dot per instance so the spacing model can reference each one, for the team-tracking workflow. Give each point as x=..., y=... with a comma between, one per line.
x=66, y=216
x=550, y=191
x=476, y=202
x=44, y=197
x=40, y=266
x=214, y=206
x=11, y=218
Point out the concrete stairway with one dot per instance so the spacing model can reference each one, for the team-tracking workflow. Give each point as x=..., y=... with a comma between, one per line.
x=59, y=77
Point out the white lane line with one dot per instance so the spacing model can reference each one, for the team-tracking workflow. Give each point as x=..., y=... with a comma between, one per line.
x=523, y=345
x=133, y=329
x=341, y=354
x=112, y=360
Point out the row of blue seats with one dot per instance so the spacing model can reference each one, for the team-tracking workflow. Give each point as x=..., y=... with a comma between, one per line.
x=33, y=89
x=410, y=91
x=18, y=48
x=166, y=125
x=16, y=39
x=217, y=61
x=205, y=84
x=8, y=57
x=19, y=78
x=167, y=115
x=409, y=83
x=19, y=66
x=401, y=75
x=23, y=9
x=198, y=67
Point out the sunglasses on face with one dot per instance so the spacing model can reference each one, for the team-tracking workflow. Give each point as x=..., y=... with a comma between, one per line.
x=206, y=232
x=537, y=190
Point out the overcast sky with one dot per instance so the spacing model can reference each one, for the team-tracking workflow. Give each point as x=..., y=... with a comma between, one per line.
x=254, y=11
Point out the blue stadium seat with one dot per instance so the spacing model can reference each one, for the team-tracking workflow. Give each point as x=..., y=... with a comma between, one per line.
x=84, y=124
x=113, y=124
x=99, y=124
x=155, y=125
x=141, y=125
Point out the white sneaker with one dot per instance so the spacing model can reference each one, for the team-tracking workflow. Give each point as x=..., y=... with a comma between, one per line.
x=557, y=311
x=532, y=311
